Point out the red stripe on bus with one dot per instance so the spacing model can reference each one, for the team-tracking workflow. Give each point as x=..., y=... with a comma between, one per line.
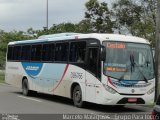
x=66, y=68
x=109, y=80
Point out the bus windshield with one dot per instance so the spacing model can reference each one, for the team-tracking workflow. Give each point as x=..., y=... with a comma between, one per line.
x=128, y=61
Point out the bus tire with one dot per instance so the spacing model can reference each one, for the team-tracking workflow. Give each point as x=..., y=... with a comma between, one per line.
x=25, y=88
x=77, y=96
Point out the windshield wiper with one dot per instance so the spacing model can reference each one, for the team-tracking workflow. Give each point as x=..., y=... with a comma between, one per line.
x=132, y=62
x=132, y=67
x=145, y=79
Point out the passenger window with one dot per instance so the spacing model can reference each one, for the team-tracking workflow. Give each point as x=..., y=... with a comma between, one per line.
x=36, y=52
x=93, y=60
x=61, y=52
x=25, y=55
x=10, y=53
x=17, y=53
x=48, y=52
x=77, y=52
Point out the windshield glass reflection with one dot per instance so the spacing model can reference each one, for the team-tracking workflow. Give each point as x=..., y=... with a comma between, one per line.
x=128, y=61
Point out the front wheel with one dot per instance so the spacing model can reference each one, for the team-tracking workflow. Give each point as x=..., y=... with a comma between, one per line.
x=77, y=97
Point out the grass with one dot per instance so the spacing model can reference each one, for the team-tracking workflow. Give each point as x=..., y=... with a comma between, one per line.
x=1, y=77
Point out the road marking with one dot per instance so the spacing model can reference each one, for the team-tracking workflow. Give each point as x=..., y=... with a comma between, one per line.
x=29, y=98
x=4, y=84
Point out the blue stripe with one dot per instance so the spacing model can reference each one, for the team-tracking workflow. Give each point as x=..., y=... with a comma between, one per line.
x=129, y=82
x=49, y=73
x=32, y=69
x=30, y=41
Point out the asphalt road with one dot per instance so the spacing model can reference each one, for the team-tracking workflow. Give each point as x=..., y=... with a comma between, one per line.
x=13, y=102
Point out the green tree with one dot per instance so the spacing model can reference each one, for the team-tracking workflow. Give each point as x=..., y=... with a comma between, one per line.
x=62, y=27
x=5, y=38
x=136, y=17
x=99, y=16
x=84, y=26
x=56, y=28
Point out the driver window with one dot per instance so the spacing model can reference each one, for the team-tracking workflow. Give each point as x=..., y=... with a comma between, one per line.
x=93, y=60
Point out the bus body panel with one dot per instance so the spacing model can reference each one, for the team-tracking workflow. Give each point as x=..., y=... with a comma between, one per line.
x=50, y=78
x=14, y=74
x=57, y=78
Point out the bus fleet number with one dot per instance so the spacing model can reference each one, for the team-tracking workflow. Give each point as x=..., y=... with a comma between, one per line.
x=76, y=75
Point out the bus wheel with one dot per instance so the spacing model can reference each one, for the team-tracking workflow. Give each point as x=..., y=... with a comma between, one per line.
x=25, y=88
x=77, y=96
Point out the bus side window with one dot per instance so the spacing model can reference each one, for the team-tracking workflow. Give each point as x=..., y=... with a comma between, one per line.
x=36, y=52
x=93, y=60
x=48, y=52
x=61, y=52
x=10, y=53
x=16, y=52
x=25, y=54
x=77, y=52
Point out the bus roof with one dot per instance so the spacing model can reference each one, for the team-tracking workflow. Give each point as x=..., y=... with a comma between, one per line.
x=71, y=36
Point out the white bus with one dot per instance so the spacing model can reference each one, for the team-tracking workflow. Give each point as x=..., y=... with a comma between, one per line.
x=106, y=69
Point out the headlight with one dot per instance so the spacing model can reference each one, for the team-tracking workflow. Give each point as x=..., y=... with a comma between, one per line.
x=109, y=89
x=151, y=91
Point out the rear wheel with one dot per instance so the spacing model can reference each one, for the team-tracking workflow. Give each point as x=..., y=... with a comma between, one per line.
x=77, y=97
x=25, y=87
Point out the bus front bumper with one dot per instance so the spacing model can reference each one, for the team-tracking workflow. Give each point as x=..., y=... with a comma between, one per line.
x=117, y=99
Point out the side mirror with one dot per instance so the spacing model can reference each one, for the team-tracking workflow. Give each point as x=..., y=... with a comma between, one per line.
x=103, y=53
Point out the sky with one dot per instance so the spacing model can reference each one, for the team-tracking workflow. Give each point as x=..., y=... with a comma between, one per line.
x=24, y=14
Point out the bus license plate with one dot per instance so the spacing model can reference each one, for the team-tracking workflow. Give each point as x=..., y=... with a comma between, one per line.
x=132, y=99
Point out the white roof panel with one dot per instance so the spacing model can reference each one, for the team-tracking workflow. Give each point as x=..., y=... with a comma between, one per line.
x=71, y=36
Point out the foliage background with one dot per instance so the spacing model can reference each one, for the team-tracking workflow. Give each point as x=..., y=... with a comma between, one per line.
x=133, y=17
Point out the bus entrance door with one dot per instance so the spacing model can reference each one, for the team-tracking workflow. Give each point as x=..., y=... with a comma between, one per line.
x=91, y=74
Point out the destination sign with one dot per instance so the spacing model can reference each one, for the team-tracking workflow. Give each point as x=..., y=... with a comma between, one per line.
x=116, y=45
x=116, y=69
